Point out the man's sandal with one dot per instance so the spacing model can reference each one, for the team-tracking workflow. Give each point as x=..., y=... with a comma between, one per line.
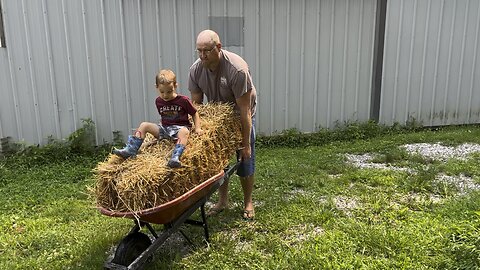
x=249, y=214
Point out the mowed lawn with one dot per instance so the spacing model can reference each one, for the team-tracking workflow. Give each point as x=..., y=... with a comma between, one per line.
x=315, y=209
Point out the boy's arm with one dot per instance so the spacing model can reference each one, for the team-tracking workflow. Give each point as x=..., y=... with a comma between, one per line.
x=197, y=124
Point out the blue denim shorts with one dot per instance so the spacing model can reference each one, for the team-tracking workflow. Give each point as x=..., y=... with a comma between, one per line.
x=247, y=167
x=168, y=132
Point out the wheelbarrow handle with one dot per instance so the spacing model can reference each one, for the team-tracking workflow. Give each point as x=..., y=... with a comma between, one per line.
x=229, y=170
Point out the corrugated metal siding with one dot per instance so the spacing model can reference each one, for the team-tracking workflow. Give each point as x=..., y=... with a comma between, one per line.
x=315, y=63
x=311, y=61
x=431, y=63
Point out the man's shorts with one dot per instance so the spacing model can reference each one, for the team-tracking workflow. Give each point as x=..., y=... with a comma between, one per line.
x=168, y=132
x=247, y=167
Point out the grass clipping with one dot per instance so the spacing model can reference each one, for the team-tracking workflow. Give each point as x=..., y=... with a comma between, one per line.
x=146, y=181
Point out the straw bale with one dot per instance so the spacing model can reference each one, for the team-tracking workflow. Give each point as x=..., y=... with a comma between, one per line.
x=146, y=181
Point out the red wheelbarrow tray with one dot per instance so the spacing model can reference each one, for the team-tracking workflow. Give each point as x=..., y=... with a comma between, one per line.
x=169, y=211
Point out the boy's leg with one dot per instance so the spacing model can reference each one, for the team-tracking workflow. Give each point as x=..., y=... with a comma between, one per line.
x=147, y=127
x=131, y=147
x=182, y=137
x=134, y=142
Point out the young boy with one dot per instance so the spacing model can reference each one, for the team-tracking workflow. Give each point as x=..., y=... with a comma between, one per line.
x=174, y=110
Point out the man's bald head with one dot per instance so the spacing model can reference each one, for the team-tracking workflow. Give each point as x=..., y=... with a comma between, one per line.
x=208, y=37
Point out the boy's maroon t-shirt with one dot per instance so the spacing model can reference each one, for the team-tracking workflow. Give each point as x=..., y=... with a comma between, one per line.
x=175, y=111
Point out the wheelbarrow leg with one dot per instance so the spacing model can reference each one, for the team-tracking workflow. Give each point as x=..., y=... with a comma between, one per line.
x=200, y=223
x=204, y=223
x=152, y=231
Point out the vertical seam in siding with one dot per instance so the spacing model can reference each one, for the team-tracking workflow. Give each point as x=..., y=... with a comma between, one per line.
x=372, y=61
x=379, y=43
x=69, y=62
x=450, y=45
x=51, y=70
x=2, y=35
x=242, y=16
x=435, y=74
x=33, y=82
x=272, y=74
x=89, y=72
x=462, y=58
x=387, y=25
x=410, y=60
x=192, y=26
x=287, y=67
x=397, y=64
x=474, y=66
x=107, y=67
x=330, y=64
x=175, y=28
x=344, y=63
x=159, y=42
x=142, y=60
x=125, y=67
x=225, y=14
x=302, y=67
x=257, y=58
x=209, y=10
x=424, y=56
x=357, y=68
x=317, y=63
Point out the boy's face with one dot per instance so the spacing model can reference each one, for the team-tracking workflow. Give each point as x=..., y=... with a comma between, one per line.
x=167, y=92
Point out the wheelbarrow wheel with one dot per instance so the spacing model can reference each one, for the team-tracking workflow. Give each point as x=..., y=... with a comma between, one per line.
x=130, y=248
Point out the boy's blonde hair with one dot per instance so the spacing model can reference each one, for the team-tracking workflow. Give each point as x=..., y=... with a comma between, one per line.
x=165, y=76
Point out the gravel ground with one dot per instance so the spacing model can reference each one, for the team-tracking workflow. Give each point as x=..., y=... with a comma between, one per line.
x=439, y=152
x=364, y=161
x=434, y=151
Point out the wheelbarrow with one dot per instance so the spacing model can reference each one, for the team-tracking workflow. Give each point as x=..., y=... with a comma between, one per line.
x=135, y=249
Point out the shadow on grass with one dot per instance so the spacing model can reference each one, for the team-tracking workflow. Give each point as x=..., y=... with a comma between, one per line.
x=167, y=256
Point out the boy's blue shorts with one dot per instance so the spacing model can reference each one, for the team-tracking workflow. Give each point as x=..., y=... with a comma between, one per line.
x=247, y=167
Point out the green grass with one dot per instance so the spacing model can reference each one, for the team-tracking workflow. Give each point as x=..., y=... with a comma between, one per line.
x=313, y=211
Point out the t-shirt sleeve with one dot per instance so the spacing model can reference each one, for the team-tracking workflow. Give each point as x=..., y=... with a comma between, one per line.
x=192, y=81
x=191, y=110
x=240, y=84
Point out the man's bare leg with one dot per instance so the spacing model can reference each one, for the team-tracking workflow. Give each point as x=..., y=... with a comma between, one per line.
x=247, y=186
x=222, y=200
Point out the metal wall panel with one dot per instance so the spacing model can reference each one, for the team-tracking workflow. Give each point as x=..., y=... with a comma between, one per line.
x=312, y=56
x=311, y=61
x=431, y=67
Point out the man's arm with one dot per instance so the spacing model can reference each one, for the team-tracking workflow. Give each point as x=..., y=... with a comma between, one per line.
x=197, y=97
x=245, y=107
x=196, y=93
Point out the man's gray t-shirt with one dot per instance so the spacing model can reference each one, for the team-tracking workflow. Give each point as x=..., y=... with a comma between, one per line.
x=227, y=83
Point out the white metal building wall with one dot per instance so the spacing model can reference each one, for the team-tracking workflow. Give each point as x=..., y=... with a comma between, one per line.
x=311, y=61
x=431, y=62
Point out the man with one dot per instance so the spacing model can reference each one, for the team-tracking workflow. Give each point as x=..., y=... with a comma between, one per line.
x=224, y=77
